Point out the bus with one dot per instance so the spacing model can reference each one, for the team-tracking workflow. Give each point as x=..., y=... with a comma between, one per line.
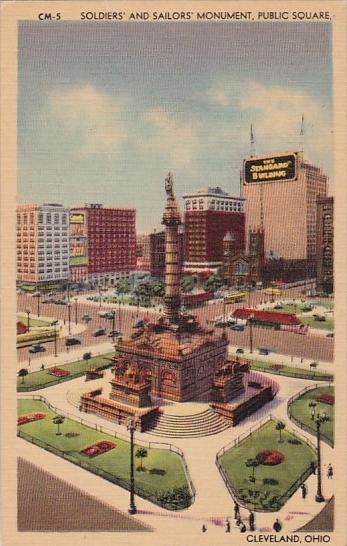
x=235, y=297
x=272, y=291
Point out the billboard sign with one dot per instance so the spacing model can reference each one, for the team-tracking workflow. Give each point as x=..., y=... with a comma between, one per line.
x=270, y=169
x=76, y=218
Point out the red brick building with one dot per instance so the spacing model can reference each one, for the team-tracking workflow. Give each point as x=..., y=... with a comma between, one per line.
x=111, y=242
x=209, y=215
x=157, y=252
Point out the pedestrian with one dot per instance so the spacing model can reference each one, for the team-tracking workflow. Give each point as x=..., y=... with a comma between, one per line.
x=236, y=510
x=204, y=528
x=227, y=527
x=238, y=520
x=312, y=414
x=243, y=528
x=277, y=526
x=42, y=366
x=304, y=491
x=313, y=467
x=330, y=472
x=251, y=521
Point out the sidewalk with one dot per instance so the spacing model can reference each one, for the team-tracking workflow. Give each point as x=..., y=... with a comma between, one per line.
x=213, y=502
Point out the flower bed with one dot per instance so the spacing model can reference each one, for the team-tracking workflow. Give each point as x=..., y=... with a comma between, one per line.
x=98, y=448
x=270, y=457
x=326, y=399
x=277, y=366
x=30, y=418
x=58, y=372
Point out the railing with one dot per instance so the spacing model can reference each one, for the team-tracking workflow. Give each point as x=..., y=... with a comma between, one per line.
x=235, y=493
x=299, y=375
x=110, y=477
x=298, y=423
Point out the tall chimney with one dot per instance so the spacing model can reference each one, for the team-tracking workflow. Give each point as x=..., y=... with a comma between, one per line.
x=171, y=220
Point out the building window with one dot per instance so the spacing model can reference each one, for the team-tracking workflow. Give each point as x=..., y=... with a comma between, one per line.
x=56, y=218
x=48, y=218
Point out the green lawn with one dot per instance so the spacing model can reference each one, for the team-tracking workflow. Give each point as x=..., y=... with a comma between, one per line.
x=115, y=462
x=328, y=324
x=32, y=322
x=78, y=260
x=259, y=495
x=290, y=371
x=301, y=411
x=42, y=379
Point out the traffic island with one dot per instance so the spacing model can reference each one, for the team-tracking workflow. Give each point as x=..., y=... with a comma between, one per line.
x=162, y=480
x=310, y=402
x=264, y=469
x=48, y=377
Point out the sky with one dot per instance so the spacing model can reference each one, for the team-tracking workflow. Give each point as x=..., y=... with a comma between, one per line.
x=105, y=110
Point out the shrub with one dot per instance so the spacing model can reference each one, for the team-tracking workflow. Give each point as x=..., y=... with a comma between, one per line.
x=270, y=457
x=269, y=481
x=157, y=471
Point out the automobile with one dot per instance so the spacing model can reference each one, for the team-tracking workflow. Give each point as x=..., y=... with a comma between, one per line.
x=240, y=351
x=86, y=317
x=37, y=348
x=307, y=308
x=46, y=301
x=60, y=302
x=115, y=333
x=108, y=315
x=238, y=327
x=72, y=341
x=319, y=318
x=278, y=306
x=263, y=351
x=330, y=334
x=99, y=332
x=105, y=314
x=139, y=324
x=221, y=324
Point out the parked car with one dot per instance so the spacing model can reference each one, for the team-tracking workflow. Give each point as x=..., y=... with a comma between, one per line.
x=99, y=332
x=240, y=351
x=86, y=317
x=330, y=334
x=238, y=327
x=72, y=341
x=115, y=333
x=263, y=351
x=278, y=306
x=108, y=315
x=37, y=348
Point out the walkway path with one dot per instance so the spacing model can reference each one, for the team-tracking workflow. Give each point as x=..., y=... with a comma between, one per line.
x=213, y=502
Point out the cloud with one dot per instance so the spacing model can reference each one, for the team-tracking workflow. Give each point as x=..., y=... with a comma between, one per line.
x=276, y=112
x=170, y=137
x=93, y=117
x=219, y=96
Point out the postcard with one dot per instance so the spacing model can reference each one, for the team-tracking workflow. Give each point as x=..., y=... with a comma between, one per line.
x=173, y=273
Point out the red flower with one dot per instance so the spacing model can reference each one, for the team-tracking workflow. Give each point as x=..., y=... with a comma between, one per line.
x=270, y=457
x=98, y=448
x=326, y=399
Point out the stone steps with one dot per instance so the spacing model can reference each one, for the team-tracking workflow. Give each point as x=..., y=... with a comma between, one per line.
x=206, y=423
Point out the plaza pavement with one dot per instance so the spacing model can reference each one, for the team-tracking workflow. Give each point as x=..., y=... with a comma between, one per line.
x=213, y=502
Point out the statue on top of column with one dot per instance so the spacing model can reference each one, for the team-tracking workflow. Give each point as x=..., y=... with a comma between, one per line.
x=169, y=185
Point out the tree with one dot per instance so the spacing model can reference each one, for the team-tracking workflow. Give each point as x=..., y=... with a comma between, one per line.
x=141, y=454
x=252, y=463
x=123, y=286
x=22, y=373
x=280, y=426
x=58, y=420
x=213, y=283
x=189, y=282
x=86, y=357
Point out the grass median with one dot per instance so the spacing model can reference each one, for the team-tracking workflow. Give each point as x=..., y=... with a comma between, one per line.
x=268, y=491
x=42, y=378
x=163, y=470
x=290, y=371
x=301, y=410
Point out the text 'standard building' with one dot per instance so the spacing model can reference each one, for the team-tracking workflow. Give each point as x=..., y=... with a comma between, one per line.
x=281, y=193
x=209, y=214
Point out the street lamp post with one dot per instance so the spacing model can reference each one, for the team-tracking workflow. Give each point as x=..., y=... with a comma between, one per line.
x=250, y=322
x=319, y=497
x=76, y=310
x=54, y=323
x=69, y=316
x=113, y=324
x=38, y=296
x=99, y=298
x=132, y=427
x=28, y=319
x=119, y=317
